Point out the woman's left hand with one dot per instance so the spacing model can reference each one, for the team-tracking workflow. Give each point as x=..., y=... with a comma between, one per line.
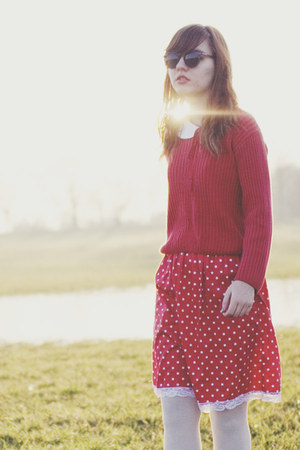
x=238, y=299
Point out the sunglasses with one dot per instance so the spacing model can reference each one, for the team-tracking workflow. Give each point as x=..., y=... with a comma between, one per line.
x=191, y=58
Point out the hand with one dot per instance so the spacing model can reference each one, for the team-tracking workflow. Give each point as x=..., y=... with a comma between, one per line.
x=238, y=299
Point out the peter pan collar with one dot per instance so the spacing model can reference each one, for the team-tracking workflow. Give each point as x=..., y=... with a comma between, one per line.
x=188, y=130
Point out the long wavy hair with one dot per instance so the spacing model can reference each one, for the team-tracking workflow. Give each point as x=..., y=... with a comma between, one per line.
x=222, y=105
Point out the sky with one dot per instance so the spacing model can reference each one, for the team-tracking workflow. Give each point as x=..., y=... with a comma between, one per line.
x=81, y=95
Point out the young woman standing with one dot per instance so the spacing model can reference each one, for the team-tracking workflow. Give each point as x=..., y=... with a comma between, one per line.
x=214, y=344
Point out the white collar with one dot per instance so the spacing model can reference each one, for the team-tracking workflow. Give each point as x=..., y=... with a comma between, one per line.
x=188, y=130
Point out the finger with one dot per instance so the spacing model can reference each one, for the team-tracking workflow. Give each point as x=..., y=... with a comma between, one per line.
x=232, y=307
x=238, y=311
x=249, y=308
x=245, y=311
x=226, y=300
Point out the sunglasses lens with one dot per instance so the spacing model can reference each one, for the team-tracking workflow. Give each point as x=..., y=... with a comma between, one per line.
x=192, y=59
x=171, y=60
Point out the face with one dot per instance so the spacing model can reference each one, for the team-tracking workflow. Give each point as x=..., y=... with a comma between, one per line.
x=198, y=79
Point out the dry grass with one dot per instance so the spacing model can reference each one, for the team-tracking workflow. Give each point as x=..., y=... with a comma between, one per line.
x=124, y=256
x=99, y=396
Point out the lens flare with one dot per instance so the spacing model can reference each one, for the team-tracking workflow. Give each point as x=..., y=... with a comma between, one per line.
x=184, y=110
x=180, y=111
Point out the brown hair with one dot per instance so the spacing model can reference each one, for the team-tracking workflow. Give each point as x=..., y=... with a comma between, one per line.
x=222, y=101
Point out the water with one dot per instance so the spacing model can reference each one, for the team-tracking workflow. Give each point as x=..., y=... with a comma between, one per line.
x=110, y=313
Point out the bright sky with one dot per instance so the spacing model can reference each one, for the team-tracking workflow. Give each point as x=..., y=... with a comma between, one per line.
x=81, y=93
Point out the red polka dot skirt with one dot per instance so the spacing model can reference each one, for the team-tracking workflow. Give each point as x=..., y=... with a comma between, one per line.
x=199, y=352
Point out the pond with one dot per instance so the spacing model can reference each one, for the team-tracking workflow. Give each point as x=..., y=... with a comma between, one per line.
x=110, y=313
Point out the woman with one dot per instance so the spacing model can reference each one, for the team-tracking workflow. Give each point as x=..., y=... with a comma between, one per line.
x=214, y=345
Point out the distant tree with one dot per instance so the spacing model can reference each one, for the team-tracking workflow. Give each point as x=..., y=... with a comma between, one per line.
x=6, y=199
x=121, y=194
x=74, y=204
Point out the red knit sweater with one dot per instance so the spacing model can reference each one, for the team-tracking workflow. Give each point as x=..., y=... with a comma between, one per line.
x=222, y=205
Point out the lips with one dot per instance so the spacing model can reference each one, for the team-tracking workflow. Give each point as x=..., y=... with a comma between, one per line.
x=182, y=77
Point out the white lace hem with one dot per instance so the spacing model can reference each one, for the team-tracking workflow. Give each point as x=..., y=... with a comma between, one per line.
x=174, y=392
x=218, y=405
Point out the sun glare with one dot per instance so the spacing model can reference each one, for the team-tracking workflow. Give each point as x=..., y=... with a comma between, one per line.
x=180, y=111
x=184, y=110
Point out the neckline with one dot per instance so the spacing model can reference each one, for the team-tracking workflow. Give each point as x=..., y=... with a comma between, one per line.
x=188, y=130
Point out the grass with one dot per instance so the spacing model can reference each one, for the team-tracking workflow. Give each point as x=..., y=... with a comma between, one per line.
x=80, y=260
x=99, y=395
x=121, y=256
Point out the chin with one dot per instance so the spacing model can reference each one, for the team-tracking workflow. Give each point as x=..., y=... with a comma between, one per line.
x=185, y=92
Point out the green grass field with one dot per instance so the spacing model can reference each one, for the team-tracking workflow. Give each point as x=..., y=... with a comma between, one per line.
x=125, y=256
x=99, y=396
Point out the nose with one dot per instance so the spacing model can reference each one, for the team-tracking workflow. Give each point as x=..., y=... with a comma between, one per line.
x=181, y=63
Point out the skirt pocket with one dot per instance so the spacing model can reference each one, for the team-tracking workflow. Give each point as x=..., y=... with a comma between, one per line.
x=230, y=265
x=162, y=275
x=263, y=294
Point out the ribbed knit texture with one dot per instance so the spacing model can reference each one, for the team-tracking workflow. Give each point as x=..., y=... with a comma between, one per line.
x=222, y=205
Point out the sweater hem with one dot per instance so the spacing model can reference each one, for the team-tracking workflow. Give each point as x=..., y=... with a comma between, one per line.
x=197, y=252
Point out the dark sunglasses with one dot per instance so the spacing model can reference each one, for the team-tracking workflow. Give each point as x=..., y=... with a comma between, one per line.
x=191, y=58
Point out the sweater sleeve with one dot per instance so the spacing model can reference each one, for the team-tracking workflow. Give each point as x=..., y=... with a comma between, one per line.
x=253, y=172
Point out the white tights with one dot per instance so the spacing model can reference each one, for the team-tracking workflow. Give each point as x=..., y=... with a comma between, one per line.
x=181, y=417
